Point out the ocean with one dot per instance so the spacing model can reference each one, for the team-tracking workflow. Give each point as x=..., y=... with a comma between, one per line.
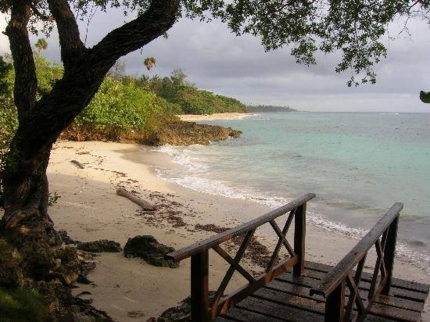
x=358, y=165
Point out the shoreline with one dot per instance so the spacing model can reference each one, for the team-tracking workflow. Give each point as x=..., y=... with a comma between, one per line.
x=215, y=116
x=89, y=210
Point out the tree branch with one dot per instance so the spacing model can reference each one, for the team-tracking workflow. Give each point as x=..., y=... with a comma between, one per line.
x=159, y=18
x=72, y=48
x=41, y=15
x=25, y=71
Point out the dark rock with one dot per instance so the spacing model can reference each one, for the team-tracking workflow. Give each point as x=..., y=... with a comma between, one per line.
x=187, y=133
x=100, y=246
x=65, y=237
x=148, y=248
x=180, y=313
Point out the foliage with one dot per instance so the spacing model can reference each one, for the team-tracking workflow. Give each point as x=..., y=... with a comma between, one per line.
x=117, y=109
x=47, y=74
x=41, y=44
x=353, y=28
x=425, y=97
x=149, y=62
x=177, y=91
x=22, y=304
x=53, y=198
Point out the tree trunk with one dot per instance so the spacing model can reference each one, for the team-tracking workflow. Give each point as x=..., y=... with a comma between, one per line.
x=26, y=222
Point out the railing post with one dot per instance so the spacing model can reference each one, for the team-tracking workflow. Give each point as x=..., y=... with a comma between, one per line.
x=299, y=239
x=200, y=287
x=389, y=253
x=335, y=303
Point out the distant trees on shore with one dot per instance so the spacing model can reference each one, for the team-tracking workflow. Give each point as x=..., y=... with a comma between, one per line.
x=269, y=108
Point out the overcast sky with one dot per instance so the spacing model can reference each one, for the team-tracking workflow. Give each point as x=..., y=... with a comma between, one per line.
x=218, y=61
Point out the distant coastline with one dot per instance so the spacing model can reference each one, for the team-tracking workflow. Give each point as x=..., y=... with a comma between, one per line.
x=269, y=108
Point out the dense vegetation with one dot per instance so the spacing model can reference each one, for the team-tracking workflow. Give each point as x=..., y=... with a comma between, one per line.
x=124, y=108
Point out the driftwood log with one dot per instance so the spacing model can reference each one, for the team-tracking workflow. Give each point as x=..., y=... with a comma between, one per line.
x=78, y=164
x=144, y=204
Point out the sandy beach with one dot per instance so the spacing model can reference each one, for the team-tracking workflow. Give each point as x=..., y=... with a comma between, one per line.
x=215, y=116
x=89, y=209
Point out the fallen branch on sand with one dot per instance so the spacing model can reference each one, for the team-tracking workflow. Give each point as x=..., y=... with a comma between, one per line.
x=144, y=204
x=78, y=164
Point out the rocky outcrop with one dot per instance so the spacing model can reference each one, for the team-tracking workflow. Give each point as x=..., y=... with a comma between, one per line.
x=100, y=246
x=148, y=248
x=187, y=133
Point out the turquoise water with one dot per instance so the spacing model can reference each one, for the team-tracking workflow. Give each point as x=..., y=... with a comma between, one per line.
x=358, y=165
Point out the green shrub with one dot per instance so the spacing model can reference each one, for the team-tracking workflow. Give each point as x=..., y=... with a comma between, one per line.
x=22, y=304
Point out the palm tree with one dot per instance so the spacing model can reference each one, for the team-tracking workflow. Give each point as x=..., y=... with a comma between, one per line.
x=41, y=44
x=149, y=62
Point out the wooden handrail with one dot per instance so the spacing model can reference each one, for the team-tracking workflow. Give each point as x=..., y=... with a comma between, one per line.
x=338, y=306
x=229, y=234
x=203, y=310
x=342, y=269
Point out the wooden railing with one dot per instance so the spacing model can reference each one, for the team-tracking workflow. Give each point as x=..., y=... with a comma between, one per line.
x=203, y=309
x=347, y=273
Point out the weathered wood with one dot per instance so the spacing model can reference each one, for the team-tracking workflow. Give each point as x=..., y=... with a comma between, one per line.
x=395, y=313
x=340, y=271
x=279, y=311
x=236, y=296
x=389, y=254
x=293, y=293
x=289, y=299
x=334, y=305
x=144, y=204
x=286, y=292
x=224, y=236
x=78, y=164
x=299, y=239
x=411, y=305
x=200, y=287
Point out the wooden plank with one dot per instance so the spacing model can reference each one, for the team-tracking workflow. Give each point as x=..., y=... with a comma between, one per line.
x=395, y=313
x=374, y=318
x=224, y=236
x=398, y=292
x=400, y=303
x=325, y=268
x=241, y=315
x=300, y=281
x=310, y=274
x=278, y=311
x=415, y=286
x=305, y=303
x=400, y=283
x=223, y=319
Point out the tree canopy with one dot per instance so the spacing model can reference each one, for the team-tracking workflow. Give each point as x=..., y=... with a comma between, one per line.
x=352, y=27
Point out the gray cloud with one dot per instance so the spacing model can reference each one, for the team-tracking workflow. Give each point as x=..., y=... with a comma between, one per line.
x=217, y=60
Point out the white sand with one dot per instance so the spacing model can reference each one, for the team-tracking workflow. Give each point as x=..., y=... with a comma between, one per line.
x=215, y=116
x=89, y=209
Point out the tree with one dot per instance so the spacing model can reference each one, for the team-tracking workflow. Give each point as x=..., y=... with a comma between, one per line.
x=41, y=44
x=352, y=27
x=149, y=62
